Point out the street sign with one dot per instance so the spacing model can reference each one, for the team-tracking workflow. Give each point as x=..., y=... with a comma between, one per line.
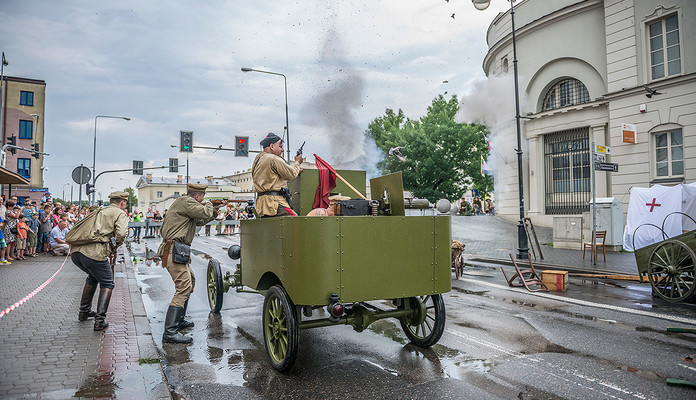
x=600, y=157
x=602, y=166
x=602, y=149
x=81, y=175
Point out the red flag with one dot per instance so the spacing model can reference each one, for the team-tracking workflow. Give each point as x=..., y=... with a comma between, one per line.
x=327, y=181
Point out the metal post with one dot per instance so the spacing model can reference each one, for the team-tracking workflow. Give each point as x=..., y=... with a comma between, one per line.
x=522, y=246
x=594, y=205
x=79, y=198
x=2, y=94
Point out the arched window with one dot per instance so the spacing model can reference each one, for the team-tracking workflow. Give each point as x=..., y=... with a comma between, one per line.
x=566, y=92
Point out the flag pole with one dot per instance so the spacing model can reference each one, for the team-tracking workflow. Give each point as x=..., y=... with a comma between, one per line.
x=350, y=186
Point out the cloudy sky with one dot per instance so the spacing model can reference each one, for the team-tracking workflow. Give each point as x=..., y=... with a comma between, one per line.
x=176, y=65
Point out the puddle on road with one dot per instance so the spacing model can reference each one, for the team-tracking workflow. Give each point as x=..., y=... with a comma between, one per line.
x=99, y=385
x=201, y=254
x=475, y=293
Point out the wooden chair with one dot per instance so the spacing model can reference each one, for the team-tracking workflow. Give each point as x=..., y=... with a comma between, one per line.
x=594, y=248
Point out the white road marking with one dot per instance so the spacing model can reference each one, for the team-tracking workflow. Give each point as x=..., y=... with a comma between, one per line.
x=586, y=303
x=535, y=363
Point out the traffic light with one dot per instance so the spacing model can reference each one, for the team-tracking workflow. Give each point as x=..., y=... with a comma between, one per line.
x=13, y=141
x=173, y=165
x=37, y=152
x=137, y=167
x=89, y=189
x=241, y=148
x=186, y=141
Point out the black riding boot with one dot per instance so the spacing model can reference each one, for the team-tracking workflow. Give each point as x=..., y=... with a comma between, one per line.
x=86, y=303
x=171, y=326
x=183, y=324
x=102, y=306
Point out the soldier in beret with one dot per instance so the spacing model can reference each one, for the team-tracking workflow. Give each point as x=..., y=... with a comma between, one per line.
x=111, y=226
x=271, y=174
x=179, y=227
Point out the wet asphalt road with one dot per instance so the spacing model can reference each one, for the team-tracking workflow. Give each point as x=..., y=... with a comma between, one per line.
x=610, y=342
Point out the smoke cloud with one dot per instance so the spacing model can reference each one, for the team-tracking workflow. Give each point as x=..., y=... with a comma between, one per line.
x=332, y=110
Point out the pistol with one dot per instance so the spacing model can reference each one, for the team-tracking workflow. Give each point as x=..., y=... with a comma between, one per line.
x=299, y=151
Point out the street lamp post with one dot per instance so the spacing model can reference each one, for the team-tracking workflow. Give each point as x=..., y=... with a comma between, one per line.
x=2, y=88
x=522, y=243
x=94, y=152
x=287, y=127
x=67, y=184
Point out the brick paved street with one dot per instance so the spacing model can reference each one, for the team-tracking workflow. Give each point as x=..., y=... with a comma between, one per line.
x=47, y=353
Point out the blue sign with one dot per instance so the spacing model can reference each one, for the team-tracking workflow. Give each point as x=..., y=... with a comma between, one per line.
x=474, y=192
x=39, y=190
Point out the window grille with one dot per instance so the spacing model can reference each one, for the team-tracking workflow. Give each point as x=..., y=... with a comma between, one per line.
x=564, y=93
x=567, y=165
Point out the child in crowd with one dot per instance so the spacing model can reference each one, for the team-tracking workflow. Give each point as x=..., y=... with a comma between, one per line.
x=32, y=231
x=3, y=245
x=21, y=236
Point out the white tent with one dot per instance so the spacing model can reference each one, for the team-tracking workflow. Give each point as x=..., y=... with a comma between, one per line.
x=647, y=209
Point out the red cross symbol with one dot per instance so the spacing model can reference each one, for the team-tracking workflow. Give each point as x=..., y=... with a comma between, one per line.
x=652, y=205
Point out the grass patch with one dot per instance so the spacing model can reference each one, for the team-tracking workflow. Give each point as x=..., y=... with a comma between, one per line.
x=142, y=361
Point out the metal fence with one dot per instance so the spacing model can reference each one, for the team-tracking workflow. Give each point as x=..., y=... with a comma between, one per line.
x=148, y=229
x=567, y=166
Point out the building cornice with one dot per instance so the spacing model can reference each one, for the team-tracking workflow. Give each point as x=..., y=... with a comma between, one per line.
x=655, y=85
x=537, y=24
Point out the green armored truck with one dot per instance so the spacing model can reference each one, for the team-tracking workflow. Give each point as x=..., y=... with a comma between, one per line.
x=322, y=271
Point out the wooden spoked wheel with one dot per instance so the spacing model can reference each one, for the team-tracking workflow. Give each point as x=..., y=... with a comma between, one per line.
x=280, y=329
x=425, y=327
x=215, y=286
x=672, y=270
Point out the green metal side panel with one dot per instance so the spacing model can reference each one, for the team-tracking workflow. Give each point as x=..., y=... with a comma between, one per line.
x=312, y=267
x=304, y=187
x=360, y=258
x=393, y=184
x=392, y=257
x=262, y=249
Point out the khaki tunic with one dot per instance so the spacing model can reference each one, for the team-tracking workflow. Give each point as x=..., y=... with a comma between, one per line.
x=270, y=172
x=114, y=223
x=182, y=218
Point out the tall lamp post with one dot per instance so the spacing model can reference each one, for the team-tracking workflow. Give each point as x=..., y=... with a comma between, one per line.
x=2, y=94
x=94, y=152
x=287, y=127
x=522, y=243
x=67, y=184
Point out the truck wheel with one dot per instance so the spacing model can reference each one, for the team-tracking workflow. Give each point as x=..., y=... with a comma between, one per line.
x=425, y=327
x=215, y=288
x=281, y=332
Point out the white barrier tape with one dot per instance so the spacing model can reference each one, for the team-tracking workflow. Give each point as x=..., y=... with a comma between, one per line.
x=32, y=294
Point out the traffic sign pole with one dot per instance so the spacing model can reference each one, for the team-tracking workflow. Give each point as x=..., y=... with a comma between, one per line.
x=594, y=207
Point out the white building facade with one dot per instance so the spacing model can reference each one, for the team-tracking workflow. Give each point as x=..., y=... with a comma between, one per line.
x=586, y=68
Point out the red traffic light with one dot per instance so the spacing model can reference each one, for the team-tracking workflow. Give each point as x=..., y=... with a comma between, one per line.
x=241, y=140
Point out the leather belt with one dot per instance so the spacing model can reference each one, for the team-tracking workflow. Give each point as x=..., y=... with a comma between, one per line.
x=165, y=254
x=270, y=193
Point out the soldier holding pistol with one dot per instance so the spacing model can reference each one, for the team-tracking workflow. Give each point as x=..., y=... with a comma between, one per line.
x=178, y=230
x=271, y=174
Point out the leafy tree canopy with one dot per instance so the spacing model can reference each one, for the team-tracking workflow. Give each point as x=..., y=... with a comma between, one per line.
x=443, y=157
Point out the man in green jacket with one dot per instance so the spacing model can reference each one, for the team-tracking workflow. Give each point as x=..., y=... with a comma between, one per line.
x=179, y=226
x=111, y=228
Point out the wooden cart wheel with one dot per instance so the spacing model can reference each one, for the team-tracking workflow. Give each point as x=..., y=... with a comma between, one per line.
x=215, y=287
x=425, y=327
x=671, y=270
x=281, y=332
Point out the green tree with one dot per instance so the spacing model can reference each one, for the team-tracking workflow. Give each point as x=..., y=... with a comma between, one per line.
x=442, y=156
x=132, y=198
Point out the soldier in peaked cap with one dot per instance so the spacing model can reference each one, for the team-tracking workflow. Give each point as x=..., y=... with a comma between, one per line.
x=108, y=228
x=271, y=174
x=178, y=229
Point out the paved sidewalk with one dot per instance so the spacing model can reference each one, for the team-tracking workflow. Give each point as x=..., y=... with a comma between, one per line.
x=492, y=239
x=47, y=353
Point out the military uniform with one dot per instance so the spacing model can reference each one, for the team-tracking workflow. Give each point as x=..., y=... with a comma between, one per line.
x=92, y=258
x=179, y=225
x=270, y=173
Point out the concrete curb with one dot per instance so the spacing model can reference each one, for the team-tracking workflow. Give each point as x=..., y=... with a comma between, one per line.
x=156, y=385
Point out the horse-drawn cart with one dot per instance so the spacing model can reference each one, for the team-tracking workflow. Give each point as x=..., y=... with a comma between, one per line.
x=323, y=271
x=670, y=264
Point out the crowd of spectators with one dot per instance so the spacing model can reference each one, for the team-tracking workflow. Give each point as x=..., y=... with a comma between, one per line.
x=35, y=228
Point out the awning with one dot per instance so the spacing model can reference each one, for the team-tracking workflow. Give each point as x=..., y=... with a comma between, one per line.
x=8, y=177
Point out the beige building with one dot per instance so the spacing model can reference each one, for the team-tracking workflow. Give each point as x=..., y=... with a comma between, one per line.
x=159, y=193
x=22, y=119
x=587, y=70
